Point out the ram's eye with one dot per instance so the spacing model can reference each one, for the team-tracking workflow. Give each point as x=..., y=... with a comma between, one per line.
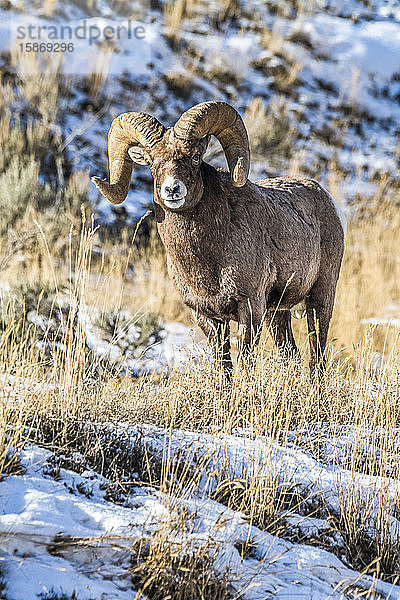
x=196, y=159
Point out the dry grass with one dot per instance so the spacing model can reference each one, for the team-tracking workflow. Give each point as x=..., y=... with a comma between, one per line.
x=45, y=396
x=138, y=278
x=174, y=15
x=369, y=284
x=268, y=399
x=51, y=397
x=164, y=567
x=269, y=128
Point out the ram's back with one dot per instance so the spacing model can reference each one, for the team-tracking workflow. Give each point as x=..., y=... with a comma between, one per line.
x=305, y=230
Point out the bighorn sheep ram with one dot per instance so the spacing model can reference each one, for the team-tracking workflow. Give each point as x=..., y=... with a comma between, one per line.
x=236, y=250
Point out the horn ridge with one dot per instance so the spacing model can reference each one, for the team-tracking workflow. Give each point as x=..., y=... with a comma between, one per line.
x=225, y=123
x=126, y=130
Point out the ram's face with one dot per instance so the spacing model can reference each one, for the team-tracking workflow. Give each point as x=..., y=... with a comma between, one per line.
x=175, y=165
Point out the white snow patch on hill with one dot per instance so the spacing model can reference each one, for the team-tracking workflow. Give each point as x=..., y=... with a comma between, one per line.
x=356, y=50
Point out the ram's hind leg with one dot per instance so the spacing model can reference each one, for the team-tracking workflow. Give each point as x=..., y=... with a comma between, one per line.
x=218, y=334
x=280, y=326
x=319, y=305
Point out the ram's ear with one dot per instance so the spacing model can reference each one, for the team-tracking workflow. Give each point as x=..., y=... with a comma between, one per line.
x=139, y=155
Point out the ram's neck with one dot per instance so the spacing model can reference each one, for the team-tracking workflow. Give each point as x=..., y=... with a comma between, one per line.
x=196, y=239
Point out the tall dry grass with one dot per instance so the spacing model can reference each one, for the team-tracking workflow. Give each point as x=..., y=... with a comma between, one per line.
x=369, y=284
x=46, y=402
x=52, y=401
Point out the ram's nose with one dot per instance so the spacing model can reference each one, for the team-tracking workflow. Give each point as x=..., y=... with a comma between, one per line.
x=173, y=191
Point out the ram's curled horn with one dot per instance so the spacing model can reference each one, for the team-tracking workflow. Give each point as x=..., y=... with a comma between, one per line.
x=126, y=130
x=224, y=122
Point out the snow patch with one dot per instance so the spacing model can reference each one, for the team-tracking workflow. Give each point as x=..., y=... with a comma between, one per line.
x=56, y=537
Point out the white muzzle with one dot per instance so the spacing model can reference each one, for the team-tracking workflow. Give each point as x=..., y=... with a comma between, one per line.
x=173, y=192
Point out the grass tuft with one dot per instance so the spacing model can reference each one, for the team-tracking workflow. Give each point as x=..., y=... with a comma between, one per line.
x=164, y=568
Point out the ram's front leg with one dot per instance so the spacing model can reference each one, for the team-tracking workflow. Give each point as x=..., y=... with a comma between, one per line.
x=218, y=335
x=250, y=318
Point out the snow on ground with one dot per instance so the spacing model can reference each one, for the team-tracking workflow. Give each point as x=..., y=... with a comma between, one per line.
x=44, y=507
x=387, y=322
x=354, y=60
x=114, y=337
x=168, y=348
x=238, y=457
x=175, y=348
x=36, y=508
x=12, y=387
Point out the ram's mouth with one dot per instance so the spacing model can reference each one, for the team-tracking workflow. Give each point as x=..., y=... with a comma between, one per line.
x=175, y=203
